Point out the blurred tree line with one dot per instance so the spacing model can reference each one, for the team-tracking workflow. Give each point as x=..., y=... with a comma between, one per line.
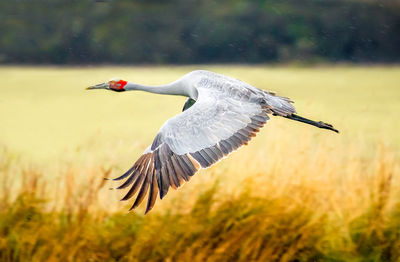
x=198, y=31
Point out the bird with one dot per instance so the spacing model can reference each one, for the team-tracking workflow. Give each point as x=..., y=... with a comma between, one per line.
x=220, y=115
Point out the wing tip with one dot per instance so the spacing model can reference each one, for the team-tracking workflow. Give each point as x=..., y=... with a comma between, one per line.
x=172, y=171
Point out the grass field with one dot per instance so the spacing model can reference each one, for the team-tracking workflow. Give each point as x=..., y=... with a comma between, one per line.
x=295, y=193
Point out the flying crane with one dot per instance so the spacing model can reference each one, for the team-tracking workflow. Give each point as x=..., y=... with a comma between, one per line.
x=220, y=115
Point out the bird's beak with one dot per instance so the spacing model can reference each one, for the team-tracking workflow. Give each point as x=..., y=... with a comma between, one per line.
x=99, y=86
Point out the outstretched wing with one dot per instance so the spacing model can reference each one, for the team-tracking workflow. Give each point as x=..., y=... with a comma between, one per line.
x=200, y=136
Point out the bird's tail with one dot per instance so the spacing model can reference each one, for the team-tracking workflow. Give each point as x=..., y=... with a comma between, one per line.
x=319, y=124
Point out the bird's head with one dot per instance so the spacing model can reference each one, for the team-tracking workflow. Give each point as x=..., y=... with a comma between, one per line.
x=115, y=84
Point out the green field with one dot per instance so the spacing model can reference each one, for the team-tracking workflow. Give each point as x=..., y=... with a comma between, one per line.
x=294, y=193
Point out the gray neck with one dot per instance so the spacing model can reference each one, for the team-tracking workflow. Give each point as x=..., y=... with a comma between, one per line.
x=174, y=88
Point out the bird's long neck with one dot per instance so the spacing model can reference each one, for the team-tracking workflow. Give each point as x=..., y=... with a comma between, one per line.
x=174, y=88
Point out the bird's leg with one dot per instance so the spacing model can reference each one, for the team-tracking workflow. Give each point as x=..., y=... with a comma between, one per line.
x=319, y=124
x=189, y=102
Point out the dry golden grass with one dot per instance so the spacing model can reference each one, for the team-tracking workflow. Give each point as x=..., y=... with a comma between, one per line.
x=296, y=193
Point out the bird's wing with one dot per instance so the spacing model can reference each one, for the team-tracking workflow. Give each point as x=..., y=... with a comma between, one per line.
x=200, y=136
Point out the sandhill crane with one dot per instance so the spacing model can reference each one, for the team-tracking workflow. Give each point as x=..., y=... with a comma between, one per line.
x=220, y=115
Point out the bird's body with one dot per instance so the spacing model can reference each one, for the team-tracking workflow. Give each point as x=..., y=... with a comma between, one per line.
x=223, y=106
x=220, y=115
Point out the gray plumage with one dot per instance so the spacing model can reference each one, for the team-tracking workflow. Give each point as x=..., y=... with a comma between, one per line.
x=223, y=107
x=220, y=115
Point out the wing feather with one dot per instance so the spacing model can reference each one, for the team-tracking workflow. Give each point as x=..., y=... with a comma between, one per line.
x=153, y=192
x=136, y=172
x=145, y=186
x=137, y=183
x=173, y=179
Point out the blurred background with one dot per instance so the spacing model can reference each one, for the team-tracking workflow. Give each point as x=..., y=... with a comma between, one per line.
x=199, y=31
x=295, y=193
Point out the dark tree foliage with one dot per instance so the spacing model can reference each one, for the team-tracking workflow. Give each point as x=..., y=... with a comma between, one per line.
x=198, y=31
